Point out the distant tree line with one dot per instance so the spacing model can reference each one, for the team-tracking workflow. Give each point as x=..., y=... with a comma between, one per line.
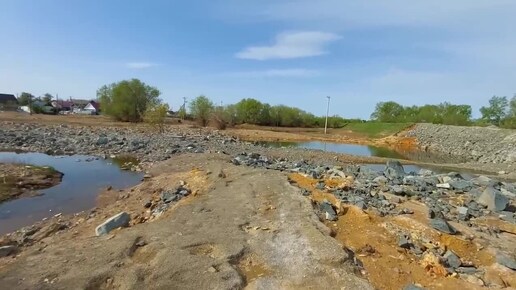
x=500, y=112
x=251, y=111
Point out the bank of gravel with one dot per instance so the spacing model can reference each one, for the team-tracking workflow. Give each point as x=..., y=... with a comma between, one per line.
x=482, y=145
x=144, y=144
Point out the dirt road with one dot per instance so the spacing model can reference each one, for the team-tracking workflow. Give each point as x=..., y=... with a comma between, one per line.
x=242, y=228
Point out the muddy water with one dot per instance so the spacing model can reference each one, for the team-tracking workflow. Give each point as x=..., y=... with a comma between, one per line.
x=364, y=150
x=84, y=177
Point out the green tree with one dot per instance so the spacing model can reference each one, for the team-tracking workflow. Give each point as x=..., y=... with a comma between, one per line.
x=389, y=112
x=47, y=98
x=127, y=100
x=155, y=115
x=25, y=98
x=496, y=111
x=201, y=109
x=249, y=111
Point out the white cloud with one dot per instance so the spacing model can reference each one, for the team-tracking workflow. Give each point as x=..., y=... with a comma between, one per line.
x=291, y=45
x=272, y=73
x=140, y=65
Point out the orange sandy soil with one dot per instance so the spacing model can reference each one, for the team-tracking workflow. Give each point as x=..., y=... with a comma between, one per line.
x=387, y=266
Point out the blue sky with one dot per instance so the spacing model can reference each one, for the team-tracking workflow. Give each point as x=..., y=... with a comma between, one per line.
x=281, y=52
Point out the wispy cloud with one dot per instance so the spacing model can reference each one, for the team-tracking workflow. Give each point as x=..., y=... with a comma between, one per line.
x=280, y=73
x=291, y=45
x=141, y=65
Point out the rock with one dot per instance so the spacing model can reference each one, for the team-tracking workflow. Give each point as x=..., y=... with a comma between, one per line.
x=169, y=196
x=452, y=259
x=444, y=185
x=147, y=203
x=404, y=243
x=394, y=170
x=328, y=210
x=466, y=270
x=472, y=279
x=48, y=230
x=380, y=180
x=506, y=261
x=102, y=141
x=442, y=226
x=460, y=184
x=7, y=250
x=117, y=221
x=502, y=172
x=413, y=287
x=397, y=190
x=493, y=199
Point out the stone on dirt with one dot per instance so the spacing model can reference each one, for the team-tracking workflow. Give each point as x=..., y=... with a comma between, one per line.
x=7, y=250
x=328, y=211
x=442, y=226
x=506, y=261
x=443, y=185
x=452, y=259
x=117, y=221
x=493, y=199
x=413, y=287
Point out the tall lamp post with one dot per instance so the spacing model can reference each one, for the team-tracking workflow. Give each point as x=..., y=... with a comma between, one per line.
x=327, y=113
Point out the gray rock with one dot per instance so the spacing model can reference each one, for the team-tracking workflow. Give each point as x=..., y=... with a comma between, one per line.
x=328, y=211
x=397, y=190
x=102, y=141
x=505, y=260
x=462, y=210
x=460, y=184
x=7, y=250
x=380, y=180
x=442, y=226
x=169, y=196
x=493, y=199
x=117, y=221
x=466, y=270
x=452, y=259
x=403, y=242
x=444, y=185
x=394, y=170
x=413, y=287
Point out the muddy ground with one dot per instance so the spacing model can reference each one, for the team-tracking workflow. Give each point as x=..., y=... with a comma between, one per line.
x=24, y=180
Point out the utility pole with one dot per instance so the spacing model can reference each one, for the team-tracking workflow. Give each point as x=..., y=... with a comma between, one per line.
x=183, y=115
x=327, y=113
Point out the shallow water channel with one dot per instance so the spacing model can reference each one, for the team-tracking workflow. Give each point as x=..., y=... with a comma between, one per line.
x=352, y=149
x=84, y=177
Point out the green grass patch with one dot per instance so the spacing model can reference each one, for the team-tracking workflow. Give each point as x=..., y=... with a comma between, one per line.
x=376, y=129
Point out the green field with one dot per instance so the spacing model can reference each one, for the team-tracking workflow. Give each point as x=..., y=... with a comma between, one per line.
x=376, y=129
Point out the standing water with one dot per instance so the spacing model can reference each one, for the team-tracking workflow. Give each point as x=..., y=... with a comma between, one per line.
x=352, y=149
x=84, y=177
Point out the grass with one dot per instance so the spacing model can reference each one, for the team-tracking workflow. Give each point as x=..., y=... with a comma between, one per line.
x=376, y=129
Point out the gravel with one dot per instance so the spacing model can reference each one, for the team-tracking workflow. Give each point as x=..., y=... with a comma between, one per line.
x=467, y=144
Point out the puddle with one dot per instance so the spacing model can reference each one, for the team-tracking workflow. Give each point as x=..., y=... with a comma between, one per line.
x=353, y=149
x=82, y=181
x=364, y=150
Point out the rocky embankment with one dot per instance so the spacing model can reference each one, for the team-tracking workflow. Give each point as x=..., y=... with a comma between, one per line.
x=479, y=211
x=469, y=144
x=142, y=143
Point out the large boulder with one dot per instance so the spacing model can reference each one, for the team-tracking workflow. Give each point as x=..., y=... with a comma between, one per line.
x=117, y=221
x=394, y=170
x=493, y=199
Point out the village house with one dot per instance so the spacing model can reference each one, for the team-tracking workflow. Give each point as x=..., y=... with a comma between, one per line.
x=8, y=102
